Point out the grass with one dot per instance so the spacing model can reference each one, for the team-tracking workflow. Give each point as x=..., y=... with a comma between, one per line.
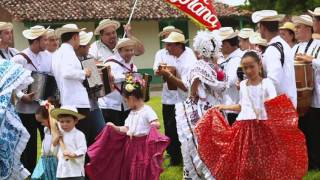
x=175, y=172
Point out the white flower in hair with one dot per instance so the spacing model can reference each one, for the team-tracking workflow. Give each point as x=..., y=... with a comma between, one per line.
x=207, y=43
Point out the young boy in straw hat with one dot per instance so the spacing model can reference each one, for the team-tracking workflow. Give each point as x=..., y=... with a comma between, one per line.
x=53, y=41
x=71, y=159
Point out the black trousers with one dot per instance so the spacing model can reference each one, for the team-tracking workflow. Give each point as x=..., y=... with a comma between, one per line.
x=310, y=126
x=92, y=125
x=29, y=155
x=114, y=116
x=231, y=118
x=72, y=178
x=170, y=128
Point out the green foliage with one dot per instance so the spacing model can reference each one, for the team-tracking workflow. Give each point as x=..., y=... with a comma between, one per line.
x=292, y=7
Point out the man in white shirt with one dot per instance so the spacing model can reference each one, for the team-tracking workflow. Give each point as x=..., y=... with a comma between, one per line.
x=6, y=41
x=104, y=47
x=244, y=35
x=70, y=75
x=36, y=59
x=277, y=61
x=230, y=64
x=113, y=106
x=184, y=59
x=169, y=99
x=312, y=124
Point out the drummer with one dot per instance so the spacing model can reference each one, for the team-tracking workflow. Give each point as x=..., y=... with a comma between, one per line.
x=312, y=117
x=277, y=61
x=34, y=58
x=307, y=45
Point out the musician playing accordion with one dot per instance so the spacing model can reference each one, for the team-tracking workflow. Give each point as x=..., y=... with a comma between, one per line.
x=35, y=59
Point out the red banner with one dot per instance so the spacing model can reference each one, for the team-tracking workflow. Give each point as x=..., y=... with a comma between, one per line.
x=201, y=11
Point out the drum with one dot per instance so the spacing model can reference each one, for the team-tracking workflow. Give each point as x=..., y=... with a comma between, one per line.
x=173, y=71
x=146, y=90
x=304, y=82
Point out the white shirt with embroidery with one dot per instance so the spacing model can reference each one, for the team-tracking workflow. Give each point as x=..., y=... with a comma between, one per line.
x=100, y=51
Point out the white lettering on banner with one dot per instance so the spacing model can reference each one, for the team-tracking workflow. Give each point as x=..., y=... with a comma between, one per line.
x=199, y=9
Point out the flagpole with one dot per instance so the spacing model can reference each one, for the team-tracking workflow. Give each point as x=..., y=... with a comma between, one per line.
x=131, y=14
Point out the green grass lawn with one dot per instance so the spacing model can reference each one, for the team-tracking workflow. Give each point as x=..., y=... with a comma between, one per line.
x=175, y=172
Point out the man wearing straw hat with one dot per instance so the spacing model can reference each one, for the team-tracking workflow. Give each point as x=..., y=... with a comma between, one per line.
x=311, y=119
x=169, y=99
x=244, y=35
x=83, y=50
x=6, y=41
x=287, y=32
x=103, y=48
x=53, y=41
x=277, y=61
x=70, y=75
x=230, y=64
x=259, y=43
x=115, y=109
x=34, y=58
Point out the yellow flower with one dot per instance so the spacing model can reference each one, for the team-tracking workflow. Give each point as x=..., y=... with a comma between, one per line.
x=129, y=88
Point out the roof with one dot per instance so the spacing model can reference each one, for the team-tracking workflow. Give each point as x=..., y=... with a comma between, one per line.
x=60, y=10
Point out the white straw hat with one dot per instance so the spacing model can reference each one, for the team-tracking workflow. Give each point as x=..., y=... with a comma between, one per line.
x=34, y=32
x=266, y=15
x=256, y=38
x=124, y=42
x=5, y=25
x=245, y=33
x=169, y=29
x=85, y=38
x=106, y=23
x=70, y=110
x=303, y=19
x=175, y=37
x=316, y=12
x=51, y=33
x=227, y=33
x=68, y=28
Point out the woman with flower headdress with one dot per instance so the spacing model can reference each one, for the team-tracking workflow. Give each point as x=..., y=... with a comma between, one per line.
x=133, y=151
x=13, y=135
x=206, y=82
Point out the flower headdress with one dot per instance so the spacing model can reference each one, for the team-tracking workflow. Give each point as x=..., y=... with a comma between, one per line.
x=133, y=81
x=207, y=43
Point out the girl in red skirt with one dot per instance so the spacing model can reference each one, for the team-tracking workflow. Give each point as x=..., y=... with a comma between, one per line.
x=133, y=151
x=264, y=143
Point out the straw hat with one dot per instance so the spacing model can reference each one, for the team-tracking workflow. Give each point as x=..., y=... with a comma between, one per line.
x=85, y=38
x=266, y=15
x=34, y=32
x=303, y=19
x=245, y=33
x=288, y=26
x=5, y=25
x=175, y=37
x=106, y=23
x=68, y=28
x=124, y=42
x=227, y=33
x=50, y=33
x=256, y=38
x=169, y=29
x=70, y=110
x=316, y=12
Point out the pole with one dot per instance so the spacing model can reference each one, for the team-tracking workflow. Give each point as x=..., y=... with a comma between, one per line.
x=131, y=14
